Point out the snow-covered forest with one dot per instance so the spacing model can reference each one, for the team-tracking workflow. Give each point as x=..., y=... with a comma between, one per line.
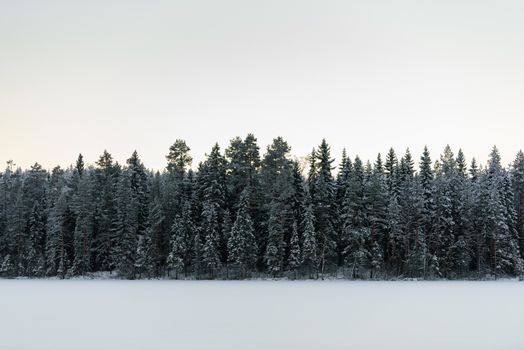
x=243, y=213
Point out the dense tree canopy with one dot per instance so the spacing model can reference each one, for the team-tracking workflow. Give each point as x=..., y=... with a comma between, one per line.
x=241, y=214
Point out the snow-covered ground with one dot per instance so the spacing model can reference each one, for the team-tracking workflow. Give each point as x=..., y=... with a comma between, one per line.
x=97, y=315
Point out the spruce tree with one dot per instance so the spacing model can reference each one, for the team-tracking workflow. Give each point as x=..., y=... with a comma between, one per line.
x=517, y=181
x=36, y=249
x=501, y=236
x=274, y=254
x=376, y=203
x=295, y=255
x=144, y=261
x=242, y=167
x=242, y=244
x=323, y=206
x=105, y=189
x=391, y=167
x=210, y=251
x=309, y=246
x=176, y=259
x=125, y=228
x=56, y=245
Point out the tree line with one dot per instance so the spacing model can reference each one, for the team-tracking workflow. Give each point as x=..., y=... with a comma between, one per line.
x=241, y=214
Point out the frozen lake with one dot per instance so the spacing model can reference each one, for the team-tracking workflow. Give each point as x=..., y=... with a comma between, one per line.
x=97, y=315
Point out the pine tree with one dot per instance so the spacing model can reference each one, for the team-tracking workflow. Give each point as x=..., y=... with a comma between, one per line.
x=174, y=193
x=179, y=159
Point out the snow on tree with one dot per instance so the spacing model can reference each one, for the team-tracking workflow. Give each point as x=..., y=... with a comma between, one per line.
x=239, y=214
x=295, y=255
x=210, y=252
x=242, y=245
x=176, y=259
x=274, y=254
x=324, y=207
x=309, y=245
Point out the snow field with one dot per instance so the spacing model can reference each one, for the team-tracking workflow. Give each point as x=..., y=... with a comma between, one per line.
x=98, y=315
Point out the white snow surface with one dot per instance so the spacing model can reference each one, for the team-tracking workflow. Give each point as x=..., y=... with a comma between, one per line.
x=111, y=314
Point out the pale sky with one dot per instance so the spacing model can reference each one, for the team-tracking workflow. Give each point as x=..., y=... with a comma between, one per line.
x=84, y=76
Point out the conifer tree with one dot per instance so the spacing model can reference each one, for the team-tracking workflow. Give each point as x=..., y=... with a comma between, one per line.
x=376, y=206
x=263, y=215
x=179, y=158
x=125, y=228
x=210, y=252
x=309, y=247
x=179, y=162
x=243, y=164
x=501, y=236
x=176, y=259
x=390, y=167
x=105, y=189
x=323, y=206
x=56, y=244
x=295, y=255
x=36, y=249
x=83, y=234
x=196, y=256
x=395, y=241
x=517, y=181
x=343, y=183
x=416, y=260
x=356, y=227
x=144, y=261
x=462, y=168
x=274, y=254
x=242, y=245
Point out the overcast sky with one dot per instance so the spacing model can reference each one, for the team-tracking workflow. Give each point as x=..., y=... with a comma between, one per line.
x=84, y=76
